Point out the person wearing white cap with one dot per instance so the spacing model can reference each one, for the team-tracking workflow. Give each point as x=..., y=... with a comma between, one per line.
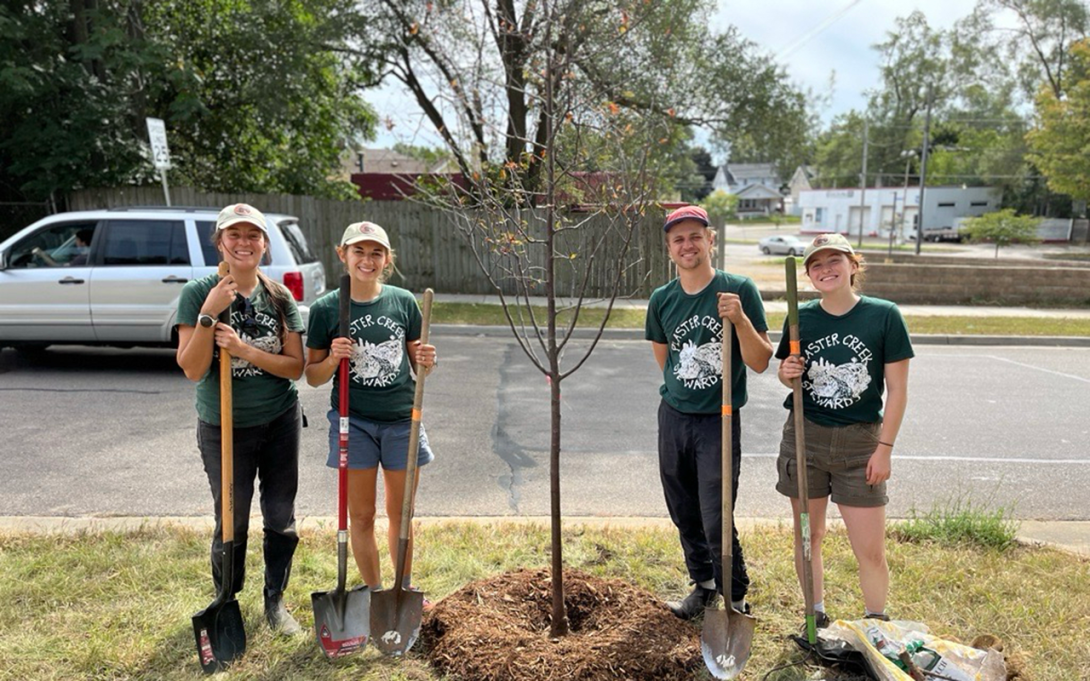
x=383, y=343
x=685, y=326
x=853, y=348
x=264, y=339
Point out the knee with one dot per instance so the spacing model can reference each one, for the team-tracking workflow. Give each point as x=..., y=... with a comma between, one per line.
x=363, y=518
x=817, y=535
x=873, y=558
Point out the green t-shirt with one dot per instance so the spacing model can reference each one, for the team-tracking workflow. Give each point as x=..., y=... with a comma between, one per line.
x=382, y=384
x=845, y=359
x=257, y=395
x=691, y=328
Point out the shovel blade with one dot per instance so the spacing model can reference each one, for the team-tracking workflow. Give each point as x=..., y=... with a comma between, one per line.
x=342, y=620
x=726, y=641
x=395, y=620
x=220, y=635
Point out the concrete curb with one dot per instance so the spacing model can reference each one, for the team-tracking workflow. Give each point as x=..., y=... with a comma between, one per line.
x=1068, y=536
x=918, y=339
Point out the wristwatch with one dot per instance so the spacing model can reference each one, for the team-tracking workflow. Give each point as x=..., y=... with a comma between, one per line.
x=206, y=320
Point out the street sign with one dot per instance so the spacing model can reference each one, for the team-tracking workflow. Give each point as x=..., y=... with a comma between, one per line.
x=157, y=136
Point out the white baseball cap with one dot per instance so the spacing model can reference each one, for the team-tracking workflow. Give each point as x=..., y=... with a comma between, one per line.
x=365, y=231
x=241, y=212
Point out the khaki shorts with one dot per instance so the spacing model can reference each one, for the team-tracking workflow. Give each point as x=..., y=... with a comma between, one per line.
x=836, y=463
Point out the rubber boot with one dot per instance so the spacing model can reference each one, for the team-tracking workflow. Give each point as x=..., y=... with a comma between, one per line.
x=278, y=617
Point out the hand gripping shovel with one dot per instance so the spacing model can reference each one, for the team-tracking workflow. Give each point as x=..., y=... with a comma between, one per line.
x=728, y=634
x=218, y=628
x=396, y=613
x=800, y=455
x=342, y=619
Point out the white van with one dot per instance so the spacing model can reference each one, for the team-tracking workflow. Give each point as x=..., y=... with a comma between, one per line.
x=113, y=277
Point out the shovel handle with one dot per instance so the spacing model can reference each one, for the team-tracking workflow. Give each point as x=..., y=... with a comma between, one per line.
x=727, y=456
x=227, y=432
x=414, y=447
x=790, y=270
x=345, y=311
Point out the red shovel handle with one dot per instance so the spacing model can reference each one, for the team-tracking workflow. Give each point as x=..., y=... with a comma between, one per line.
x=342, y=403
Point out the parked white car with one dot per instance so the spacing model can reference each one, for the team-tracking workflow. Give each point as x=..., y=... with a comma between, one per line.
x=781, y=245
x=113, y=277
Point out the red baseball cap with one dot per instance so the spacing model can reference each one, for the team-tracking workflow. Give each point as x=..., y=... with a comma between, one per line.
x=686, y=213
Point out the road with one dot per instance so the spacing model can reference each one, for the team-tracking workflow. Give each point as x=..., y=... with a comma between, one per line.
x=106, y=432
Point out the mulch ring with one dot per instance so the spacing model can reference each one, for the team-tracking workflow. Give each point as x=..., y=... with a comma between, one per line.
x=498, y=628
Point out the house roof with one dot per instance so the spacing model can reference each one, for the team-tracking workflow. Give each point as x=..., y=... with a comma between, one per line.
x=759, y=191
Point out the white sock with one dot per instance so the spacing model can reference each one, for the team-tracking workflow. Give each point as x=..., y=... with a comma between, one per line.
x=707, y=584
x=739, y=606
x=819, y=606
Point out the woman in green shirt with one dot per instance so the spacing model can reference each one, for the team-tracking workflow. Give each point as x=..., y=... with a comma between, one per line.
x=853, y=348
x=384, y=339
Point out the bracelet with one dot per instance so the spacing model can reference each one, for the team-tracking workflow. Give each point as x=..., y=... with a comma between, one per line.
x=888, y=444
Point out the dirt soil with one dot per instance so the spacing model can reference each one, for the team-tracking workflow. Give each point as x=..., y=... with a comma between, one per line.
x=498, y=628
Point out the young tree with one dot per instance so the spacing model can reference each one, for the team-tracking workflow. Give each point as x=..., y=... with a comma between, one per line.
x=721, y=207
x=1002, y=228
x=1060, y=141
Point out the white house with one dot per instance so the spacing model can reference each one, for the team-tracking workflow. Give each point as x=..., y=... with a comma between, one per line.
x=757, y=186
x=885, y=208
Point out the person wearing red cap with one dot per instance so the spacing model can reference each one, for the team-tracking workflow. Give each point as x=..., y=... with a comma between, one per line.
x=854, y=348
x=685, y=327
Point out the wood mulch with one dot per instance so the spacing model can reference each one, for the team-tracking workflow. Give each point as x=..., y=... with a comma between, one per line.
x=498, y=628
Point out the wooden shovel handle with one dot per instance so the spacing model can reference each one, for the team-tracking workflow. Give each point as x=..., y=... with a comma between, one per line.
x=414, y=448
x=800, y=441
x=227, y=434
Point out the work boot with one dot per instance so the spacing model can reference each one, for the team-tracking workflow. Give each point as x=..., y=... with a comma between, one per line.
x=278, y=617
x=694, y=604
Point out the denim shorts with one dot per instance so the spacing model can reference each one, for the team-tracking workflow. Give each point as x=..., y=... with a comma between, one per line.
x=371, y=444
x=836, y=463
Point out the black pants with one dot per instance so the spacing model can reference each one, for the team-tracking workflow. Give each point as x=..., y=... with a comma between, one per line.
x=269, y=452
x=690, y=464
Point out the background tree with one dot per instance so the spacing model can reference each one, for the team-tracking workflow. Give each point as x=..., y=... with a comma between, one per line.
x=1002, y=228
x=721, y=207
x=1060, y=141
x=250, y=101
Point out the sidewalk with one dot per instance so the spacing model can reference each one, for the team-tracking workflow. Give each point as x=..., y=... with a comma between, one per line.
x=780, y=306
x=1068, y=536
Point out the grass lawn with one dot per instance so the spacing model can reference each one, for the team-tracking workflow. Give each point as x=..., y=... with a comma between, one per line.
x=116, y=605
x=627, y=318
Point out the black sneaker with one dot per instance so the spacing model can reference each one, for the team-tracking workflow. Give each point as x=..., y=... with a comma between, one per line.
x=694, y=604
x=876, y=616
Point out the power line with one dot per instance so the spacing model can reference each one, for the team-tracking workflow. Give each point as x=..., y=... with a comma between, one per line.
x=812, y=33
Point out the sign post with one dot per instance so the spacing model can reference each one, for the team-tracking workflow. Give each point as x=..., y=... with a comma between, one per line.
x=160, y=153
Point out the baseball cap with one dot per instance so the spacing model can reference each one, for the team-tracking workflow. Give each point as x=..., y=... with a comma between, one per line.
x=826, y=242
x=685, y=213
x=364, y=231
x=241, y=212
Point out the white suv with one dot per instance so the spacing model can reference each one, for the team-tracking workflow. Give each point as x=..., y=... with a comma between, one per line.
x=113, y=277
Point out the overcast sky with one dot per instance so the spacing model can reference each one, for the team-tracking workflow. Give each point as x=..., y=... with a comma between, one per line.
x=813, y=39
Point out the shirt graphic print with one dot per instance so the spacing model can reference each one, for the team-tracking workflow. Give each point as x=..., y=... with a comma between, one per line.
x=837, y=386
x=377, y=364
x=266, y=337
x=699, y=366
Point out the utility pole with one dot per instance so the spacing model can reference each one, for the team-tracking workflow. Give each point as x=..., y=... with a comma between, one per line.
x=923, y=170
x=863, y=181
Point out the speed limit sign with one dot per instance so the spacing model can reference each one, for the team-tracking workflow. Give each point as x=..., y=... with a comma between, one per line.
x=157, y=136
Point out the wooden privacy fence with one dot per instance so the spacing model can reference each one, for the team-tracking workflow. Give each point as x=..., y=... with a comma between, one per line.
x=432, y=248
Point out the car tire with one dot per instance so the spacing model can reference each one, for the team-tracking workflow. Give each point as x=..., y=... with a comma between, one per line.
x=766, y=250
x=31, y=350
x=792, y=252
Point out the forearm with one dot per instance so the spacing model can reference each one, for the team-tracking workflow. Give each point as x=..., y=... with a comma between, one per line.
x=281, y=365
x=319, y=371
x=756, y=348
x=896, y=402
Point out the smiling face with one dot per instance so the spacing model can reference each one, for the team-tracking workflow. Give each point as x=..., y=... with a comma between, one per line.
x=365, y=261
x=831, y=270
x=242, y=245
x=690, y=245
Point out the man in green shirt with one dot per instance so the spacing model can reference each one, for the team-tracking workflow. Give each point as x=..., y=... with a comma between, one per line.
x=685, y=327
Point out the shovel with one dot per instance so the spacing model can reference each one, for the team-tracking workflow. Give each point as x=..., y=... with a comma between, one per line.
x=218, y=628
x=342, y=619
x=800, y=456
x=728, y=634
x=396, y=613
